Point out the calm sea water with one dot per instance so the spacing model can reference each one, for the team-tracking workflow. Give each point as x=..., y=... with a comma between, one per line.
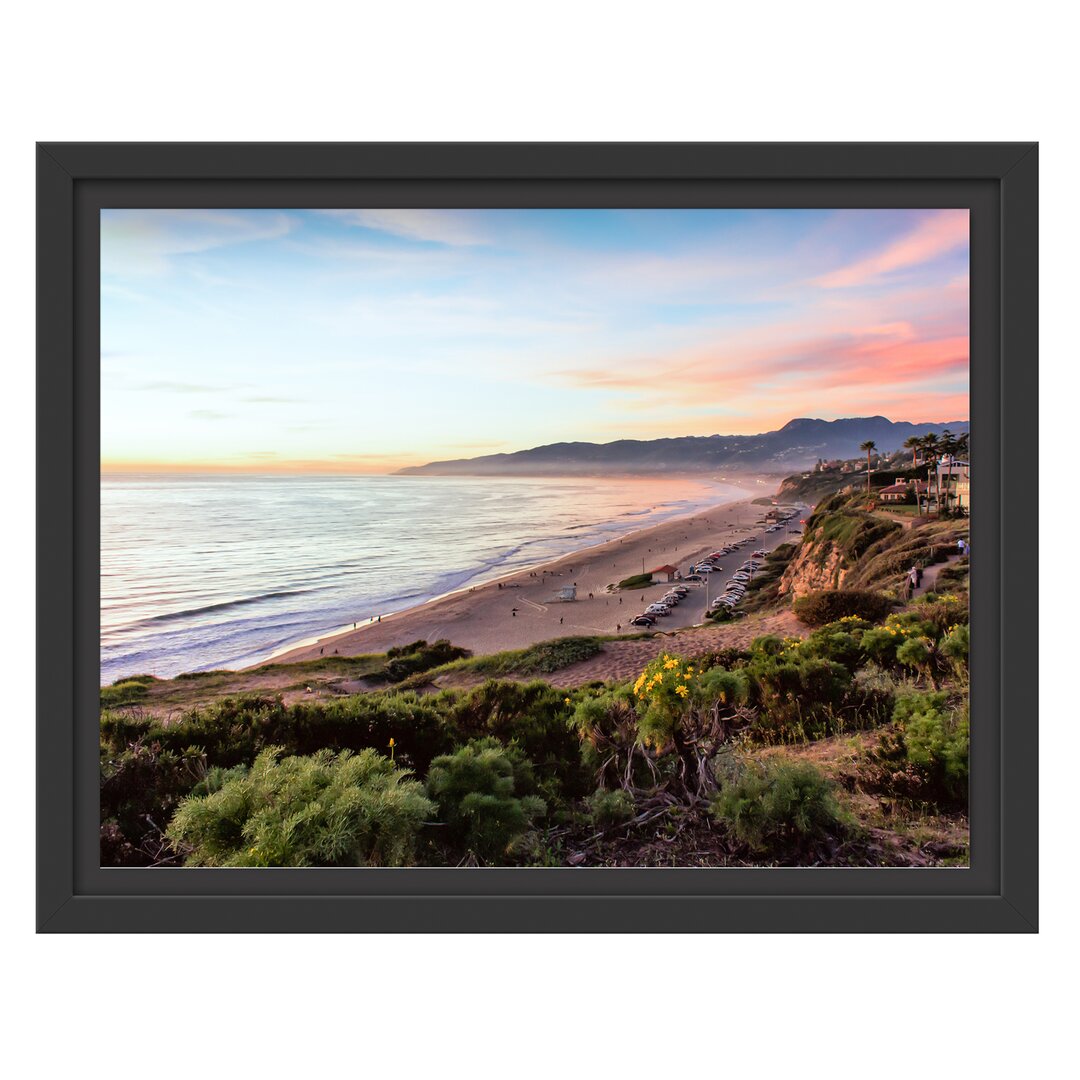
x=200, y=572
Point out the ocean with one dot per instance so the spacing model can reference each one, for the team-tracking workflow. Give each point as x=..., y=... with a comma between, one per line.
x=201, y=572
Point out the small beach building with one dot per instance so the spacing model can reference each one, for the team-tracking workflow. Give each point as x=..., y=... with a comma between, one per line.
x=664, y=574
x=567, y=592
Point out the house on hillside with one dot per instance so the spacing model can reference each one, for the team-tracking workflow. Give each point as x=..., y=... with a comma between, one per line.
x=951, y=485
x=900, y=492
x=903, y=491
x=664, y=574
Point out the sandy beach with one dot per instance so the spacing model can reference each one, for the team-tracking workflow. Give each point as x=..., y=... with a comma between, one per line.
x=522, y=609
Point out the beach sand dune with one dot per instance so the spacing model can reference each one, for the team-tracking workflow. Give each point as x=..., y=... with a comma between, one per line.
x=523, y=608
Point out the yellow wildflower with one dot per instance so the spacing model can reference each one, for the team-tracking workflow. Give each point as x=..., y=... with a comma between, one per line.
x=681, y=690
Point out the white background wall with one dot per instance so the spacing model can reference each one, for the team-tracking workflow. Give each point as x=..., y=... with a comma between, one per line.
x=846, y=1006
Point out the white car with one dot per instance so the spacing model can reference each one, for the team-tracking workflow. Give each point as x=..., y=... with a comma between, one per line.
x=658, y=609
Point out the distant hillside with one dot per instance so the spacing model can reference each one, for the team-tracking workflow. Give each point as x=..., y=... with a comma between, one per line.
x=797, y=445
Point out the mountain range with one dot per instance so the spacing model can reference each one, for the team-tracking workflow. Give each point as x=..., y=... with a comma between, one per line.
x=798, y=444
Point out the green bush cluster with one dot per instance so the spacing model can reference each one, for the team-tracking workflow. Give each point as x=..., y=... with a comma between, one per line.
x=123, y=692
x=923, y=755
x=326, y=809
x=610, y=807
x=147, y=766
x=478, y=792
x=829, y=605
x=406, y=660
x=636, y=581
x=781, y=808
x=937, y=742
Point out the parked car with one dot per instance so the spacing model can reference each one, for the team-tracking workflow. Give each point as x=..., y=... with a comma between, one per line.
x=693, y=577
x=642, y=620
x=658, y=609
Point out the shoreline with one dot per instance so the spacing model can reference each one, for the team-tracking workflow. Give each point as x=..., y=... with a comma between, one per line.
x=502, y=576
x=519, y=608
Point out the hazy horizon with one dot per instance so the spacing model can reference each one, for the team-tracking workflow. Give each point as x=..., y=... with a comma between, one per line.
x=364, y=341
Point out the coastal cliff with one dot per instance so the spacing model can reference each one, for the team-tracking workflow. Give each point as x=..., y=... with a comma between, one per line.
x=815, y=566
x=844, y=546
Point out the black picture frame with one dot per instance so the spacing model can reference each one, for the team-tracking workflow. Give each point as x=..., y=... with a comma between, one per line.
x=998, y=892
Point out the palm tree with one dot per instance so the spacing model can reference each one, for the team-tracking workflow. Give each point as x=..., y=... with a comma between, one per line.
x=931, y=446
x=868, y=446
x=948, y=449
x=912, y=443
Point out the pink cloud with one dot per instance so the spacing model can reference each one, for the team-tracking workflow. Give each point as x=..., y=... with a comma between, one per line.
x=941, y=232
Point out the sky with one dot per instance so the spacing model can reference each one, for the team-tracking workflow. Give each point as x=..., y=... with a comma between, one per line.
x=366, y=340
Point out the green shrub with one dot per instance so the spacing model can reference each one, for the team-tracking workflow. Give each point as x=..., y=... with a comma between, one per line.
x=636, y=581
x=551, y=656
x=781, y=808
x=830, y=605
x=955, y=646
x=937, y=743
x=942, y=611
x=920, y=653
x=923, y=756
x=127, y=692
x=610, y=807
x=798, y=698
x=532, y=716
x=142, y=783
x=840, y=642
x=324, y=810
x=235, y=730
x=406, y=660
x=474, y=788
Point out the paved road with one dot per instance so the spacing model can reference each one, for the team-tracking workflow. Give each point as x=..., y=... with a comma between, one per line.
x=692, y=610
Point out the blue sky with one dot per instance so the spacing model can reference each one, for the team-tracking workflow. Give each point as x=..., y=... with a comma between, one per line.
x=363, y=340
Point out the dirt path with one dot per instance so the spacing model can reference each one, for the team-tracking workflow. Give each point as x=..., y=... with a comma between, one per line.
x=621, y=660
x=930, y=575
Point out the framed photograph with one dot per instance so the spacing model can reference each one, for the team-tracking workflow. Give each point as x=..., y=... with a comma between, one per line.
x=525, y=537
